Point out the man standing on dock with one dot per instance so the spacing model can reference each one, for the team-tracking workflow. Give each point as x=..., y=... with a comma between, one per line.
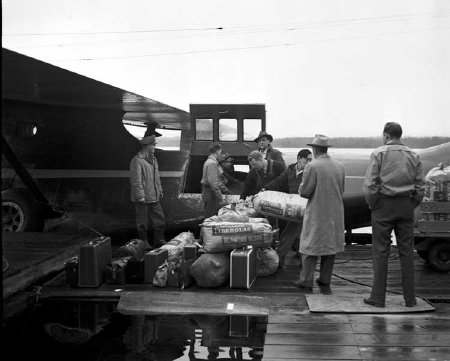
x=323, y=224
x=394, y=185
x=212, y=185
x=289, y=181
x=146, y=192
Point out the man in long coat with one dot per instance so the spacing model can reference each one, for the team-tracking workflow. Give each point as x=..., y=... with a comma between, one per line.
x=323, y=223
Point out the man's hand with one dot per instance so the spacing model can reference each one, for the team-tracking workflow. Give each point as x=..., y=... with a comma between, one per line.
x=142, y=200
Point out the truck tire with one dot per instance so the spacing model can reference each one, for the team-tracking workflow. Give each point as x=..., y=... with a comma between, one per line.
x=439, y=256
x=20, y=213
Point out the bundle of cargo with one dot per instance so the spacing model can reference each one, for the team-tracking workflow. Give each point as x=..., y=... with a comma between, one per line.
x=437, y=182
x=211, y=270
x=267, y=262
x=290, y=207
x=237, y=212
x=219, y=236
x=134, y=248
x=176, y=245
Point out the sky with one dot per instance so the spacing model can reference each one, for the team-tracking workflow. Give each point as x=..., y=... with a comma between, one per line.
x=334, y=67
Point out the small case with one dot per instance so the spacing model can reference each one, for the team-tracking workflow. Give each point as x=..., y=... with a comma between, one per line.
x=243, y=267
x=134, y=271
x=152, y=260
x=94, y=257
x=190, y=252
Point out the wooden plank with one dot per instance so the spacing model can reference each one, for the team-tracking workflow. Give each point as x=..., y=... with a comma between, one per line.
x=148, y=303
x=291, y=315
x=434, y=226
x=310, y=339
x=403, y=327
x=388, y=339
x=282, y=328
x=405, y=353
x=320, y=352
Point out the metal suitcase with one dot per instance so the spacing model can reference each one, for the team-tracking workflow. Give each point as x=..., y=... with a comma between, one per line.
x=152, y=260
x=94, y=257
x=243, y=267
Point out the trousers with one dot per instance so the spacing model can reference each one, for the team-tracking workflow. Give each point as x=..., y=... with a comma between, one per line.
x=309, y=266
x=150, y=222
x=210, y=201
x=289, y=237
x=392, y=214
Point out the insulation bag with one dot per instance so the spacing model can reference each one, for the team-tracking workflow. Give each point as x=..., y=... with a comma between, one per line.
x=290, y=207
x=211, y=270
x=232, y=213
x=176, y=245
x=225, y=236
x=268, y=262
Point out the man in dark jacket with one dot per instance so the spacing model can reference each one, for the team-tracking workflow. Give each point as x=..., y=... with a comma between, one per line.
x=289, y=182
x=262, y=172
x=146, y=192
x=264, y=139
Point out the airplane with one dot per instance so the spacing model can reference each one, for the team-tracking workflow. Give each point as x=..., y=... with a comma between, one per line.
x=66, y=152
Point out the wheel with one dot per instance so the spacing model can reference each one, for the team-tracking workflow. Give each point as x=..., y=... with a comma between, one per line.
x=422, y=254
x=20, y=213
x=439, y=256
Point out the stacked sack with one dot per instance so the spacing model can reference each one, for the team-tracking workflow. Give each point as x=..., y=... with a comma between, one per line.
x=437, y=182
x=235, y=226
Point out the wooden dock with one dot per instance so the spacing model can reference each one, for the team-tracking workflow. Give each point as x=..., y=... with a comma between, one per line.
x=293, y=331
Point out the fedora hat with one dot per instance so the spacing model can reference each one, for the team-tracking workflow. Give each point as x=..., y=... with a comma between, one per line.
x=263, y=133
x=148, y=140
x=151, y=130
x=320, y=140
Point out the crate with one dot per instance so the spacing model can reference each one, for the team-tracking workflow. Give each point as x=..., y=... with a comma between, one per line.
x=435, y=217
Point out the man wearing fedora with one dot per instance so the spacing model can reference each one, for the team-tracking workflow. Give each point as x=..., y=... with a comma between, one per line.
x=264, y=139
x=323, y=223
x=393, y=186
x=146, y=192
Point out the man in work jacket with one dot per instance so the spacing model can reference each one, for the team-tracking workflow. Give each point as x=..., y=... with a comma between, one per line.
x=323, y=223
x=394, y=185
x=264, y=139
x=212, y=184
x=262, y=172
x=289, y=181
x=146, y=192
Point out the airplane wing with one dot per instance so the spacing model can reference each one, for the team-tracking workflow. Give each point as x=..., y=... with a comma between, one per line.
x=26, y=79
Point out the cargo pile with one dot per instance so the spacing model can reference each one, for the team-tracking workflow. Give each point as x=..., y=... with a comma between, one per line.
x=235, y=246
x=435, y=208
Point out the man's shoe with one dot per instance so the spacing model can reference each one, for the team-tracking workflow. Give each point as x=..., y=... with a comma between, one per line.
x=368, y=301
x=411, y=304
x=301, y=285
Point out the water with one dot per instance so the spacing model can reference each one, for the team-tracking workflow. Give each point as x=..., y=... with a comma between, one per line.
x=89, y=331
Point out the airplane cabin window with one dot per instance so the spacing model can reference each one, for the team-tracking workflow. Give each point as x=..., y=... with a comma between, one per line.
x=252, y=128
x=228, y=129
x=203, y=129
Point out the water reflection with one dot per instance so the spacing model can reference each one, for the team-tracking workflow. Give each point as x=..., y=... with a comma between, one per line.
x=93, y=331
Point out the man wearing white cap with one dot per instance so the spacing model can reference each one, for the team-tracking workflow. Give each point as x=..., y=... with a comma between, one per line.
x=323, y=224
x=146, y=192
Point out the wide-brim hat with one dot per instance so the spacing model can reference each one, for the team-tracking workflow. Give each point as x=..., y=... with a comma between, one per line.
x=263, y=133
x=151, y=130
x=148, y=140
x=320, y=140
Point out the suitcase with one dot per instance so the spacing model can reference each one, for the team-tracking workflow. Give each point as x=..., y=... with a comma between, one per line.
x=134, y=271
x=190, y=252
x=152, y=260
x=243, y=267
x=94, y=257
x=71, y=268
x=134, y=248
x=115, y=272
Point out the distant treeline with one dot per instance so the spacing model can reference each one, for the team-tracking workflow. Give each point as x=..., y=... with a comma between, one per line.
x=360, y=142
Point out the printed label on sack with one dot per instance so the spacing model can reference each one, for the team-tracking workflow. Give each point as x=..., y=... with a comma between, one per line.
x=232, y=230
x=293, y=211
x=272, y=208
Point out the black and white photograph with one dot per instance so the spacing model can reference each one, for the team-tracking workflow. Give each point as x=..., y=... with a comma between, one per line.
x=225, y=180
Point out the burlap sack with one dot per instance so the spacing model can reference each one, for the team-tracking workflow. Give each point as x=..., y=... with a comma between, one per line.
x=226, y=236
x=268, y=262
x=175, y=245
x=290, y=207
x=211, y=270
